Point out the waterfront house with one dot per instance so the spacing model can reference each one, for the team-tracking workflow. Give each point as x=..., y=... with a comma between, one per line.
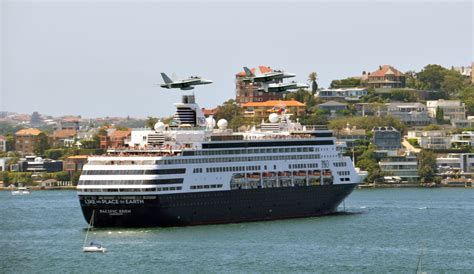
x=455, y=164
x=432, y=139
x=370, y=109
x=463, y=123
x=405, y=167
x=342, y=94
x=333, y=106
x=350, y=136
x=386, y=138
x=452, y=109
x=466, y=138
x=412, y=114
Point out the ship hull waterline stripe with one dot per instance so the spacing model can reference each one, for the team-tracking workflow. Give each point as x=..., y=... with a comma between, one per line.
x=213, y=207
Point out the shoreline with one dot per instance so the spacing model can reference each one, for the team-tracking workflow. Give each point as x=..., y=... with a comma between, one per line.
x=362, y=186
x=42, y=188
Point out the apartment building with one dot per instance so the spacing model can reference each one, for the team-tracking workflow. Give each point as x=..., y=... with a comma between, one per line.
x=452, y=109
x=412, y=114
x=432, y=139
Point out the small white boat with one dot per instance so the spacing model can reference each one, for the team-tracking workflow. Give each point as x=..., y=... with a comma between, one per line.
x=92, y=247
x=21, y=191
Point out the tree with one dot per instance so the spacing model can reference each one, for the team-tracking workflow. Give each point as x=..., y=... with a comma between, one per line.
x=403, y=95
x=368, y=162
x=467, y=97
x=41, y=144
x=439, y=115
x=55, y=153
x=452, y=83
x=312, y=77
x=413, y=82
x=431, y=76
x=432, y=127
x=151, y=121
x=231, y=112
x=4, y=177
x=10, y=142
x=346, y=83
x=426, y=165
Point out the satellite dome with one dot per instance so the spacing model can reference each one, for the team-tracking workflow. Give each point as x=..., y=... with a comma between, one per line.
x=210, y=122
x=273, y=118
x=159, y=126
x=222, y=124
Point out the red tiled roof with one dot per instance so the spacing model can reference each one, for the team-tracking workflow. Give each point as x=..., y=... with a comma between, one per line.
x=120, y=134
x=386, y=69
x=64, y=133
x=28, y=131
x=209, y=111
x=274, y=103
x=263, y=69
x=2, y=138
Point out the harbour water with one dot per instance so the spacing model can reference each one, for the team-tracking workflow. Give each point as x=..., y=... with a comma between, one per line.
x=384, y=230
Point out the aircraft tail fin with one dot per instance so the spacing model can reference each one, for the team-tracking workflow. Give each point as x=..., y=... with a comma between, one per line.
x=248, y=72
x=166, y=78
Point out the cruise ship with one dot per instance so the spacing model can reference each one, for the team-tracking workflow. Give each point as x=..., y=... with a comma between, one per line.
x=191, y=172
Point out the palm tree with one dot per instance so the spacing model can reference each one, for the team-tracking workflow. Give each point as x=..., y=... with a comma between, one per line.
x=312, y=77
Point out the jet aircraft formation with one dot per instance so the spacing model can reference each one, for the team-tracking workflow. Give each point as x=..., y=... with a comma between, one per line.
x=271, y=81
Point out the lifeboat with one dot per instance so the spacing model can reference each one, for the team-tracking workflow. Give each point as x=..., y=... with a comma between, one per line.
x=299, y=174
x=254, y=177
x=283, y=174
x=327, y=173
x=268, y=175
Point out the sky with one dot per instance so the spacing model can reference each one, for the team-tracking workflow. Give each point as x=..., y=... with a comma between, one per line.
x=104, y=58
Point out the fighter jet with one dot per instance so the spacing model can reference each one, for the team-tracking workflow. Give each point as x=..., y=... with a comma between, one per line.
x=271, y=76
x=183, y=84
x=282, y=87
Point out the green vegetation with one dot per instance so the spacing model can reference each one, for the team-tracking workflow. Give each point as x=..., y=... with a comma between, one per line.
x=151, y=121
x=467, y=97
x=346, y=83
x=432, y=127
x=427, y=165
x=230, y=111
x=439, y=115
x=413, y=142
x=16, y=177
x=63, y=153
x=312, y=77
x=368, y=161
x=6, y=128
x=42, y=144
x=436, y=77
x=403, y=95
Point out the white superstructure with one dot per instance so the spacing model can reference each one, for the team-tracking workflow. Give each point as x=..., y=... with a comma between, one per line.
x=190, y=155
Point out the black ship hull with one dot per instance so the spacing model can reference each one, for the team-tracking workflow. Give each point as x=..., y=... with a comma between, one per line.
x=213, y=207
